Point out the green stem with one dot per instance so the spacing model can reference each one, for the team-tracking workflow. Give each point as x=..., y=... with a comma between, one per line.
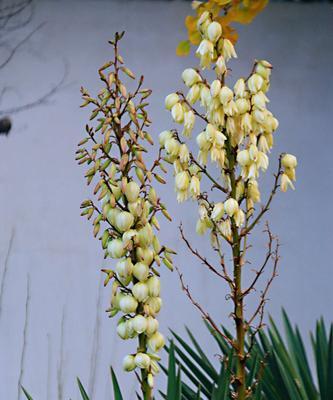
x=237, y=293
x=147, y=391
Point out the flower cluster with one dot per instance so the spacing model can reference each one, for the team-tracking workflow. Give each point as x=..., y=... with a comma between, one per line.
x=128, y=210
x=238, y=133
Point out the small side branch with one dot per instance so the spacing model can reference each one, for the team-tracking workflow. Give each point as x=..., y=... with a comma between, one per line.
x=205, y=315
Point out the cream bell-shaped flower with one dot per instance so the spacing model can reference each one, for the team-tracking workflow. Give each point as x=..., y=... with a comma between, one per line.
x=205, y=96
x=231, y=206
x=182, y=180
x=124, y=221
x=253, y=192
x=190, y=77
x=286, y=183
x=152, y=325
x=145, y=235
x=189, y=120
x=228, y=49
x=164, y=136
x=122, y=330
x=226, y=94
x=156, y=342
x=140, y=291
x=129, y=363
x=177, y=113
x=201, y=227
x=184, y=154
x=172, y=147
x=239, y=217
x=124, y=268
x=116, y=248
x=264, y=69
x=289, y=161
x=203, y=141
x=171, y=100
x=215, y=88
x=195, y=186
x=259, y=100
x=193, y=94
x=132, y=191
x=140, y=271
x=220, y=67
x=206, y=53
x=154, y=286
x=240, y=88
x=217, y=212
x=214, y=31
x=154, y=304
x=255, y=83
x=139, y=324
x=142, y=360
x=128, y=304
x=243, y=158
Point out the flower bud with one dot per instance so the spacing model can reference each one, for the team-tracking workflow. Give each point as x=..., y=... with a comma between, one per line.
x=116, y=248
x=128, y=304
x=231, y=206
x=140, y=271
x=156, y=342
x=132, y=191
x=128, y=363
x=150, y=380
x=214, y=31
x=164, y=136
x=139, y=324
x=177, y=113
x=255, y=83
x=111, y=215
x=226, y=94
x=152, y=326
x=171, y=100
x=190, y=77
x=182, y=180
x=124, y=221
x=154, y=286
x=289, y=161
x=142, y=360
x=218, y=211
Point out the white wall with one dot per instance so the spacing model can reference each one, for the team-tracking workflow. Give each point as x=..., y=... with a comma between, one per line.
x=66, y=331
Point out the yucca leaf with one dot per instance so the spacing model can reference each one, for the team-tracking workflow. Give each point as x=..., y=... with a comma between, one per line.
x=82, y=390
x=27, y=395
x=116, y=388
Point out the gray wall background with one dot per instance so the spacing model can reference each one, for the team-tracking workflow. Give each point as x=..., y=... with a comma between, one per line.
x=65, y=332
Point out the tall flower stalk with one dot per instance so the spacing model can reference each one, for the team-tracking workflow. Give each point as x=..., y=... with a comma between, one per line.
x=126, y=212
x=237, y=136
